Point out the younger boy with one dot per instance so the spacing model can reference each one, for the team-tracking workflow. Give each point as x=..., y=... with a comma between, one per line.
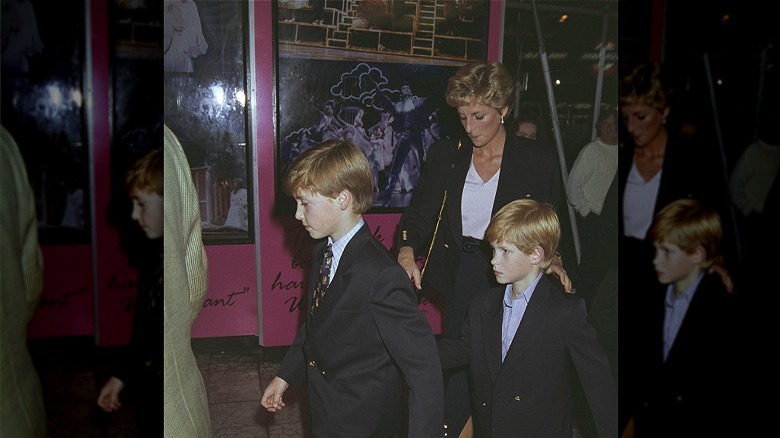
x=521, y=339
x=142, y=369
x=364, y=333
x=687, y=355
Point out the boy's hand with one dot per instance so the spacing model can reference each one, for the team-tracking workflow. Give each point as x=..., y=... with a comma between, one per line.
x=108, y=399
x=272, y=397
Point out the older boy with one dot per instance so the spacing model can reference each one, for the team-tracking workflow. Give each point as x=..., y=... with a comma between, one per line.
x=688, y=354
x=363, y=333
x=520, y=339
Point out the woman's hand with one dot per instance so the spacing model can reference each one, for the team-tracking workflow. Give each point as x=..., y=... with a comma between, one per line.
x=409, y=263
x=556, y=268
x=719, y=269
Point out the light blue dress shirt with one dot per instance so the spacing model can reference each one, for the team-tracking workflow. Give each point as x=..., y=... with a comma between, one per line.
x=339, y=246
x=674, y=312
x=514, y=309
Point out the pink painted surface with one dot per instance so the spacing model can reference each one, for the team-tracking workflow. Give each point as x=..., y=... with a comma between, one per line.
x=115, y=279
x=65, y=307
x=230, y=307
x=494, y=30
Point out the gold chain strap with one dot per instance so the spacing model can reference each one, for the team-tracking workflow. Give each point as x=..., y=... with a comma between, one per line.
x=436, y=228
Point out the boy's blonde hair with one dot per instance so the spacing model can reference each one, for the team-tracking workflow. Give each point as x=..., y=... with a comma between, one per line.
x=330, y=167
x=526, y=223
x=146, y=174
x=688, y=224
x=488, y=83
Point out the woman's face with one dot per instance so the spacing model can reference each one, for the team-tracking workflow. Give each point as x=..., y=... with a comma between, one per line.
x=643, y=122
x=481, y=122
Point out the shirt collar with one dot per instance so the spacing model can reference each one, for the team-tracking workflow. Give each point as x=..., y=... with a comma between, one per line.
x=525, y=295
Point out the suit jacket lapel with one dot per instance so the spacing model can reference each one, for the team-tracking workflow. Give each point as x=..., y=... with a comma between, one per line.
x=513, y=182
x=533, y=321
x=455, y=178
x=335, y=291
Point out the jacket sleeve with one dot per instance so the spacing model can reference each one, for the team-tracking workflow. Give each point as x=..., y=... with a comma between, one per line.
x=419, y=218
x=410, y=341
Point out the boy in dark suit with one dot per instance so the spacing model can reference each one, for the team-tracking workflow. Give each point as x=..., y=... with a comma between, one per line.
x=688, y=355
x=521, y=338
x=364, y=334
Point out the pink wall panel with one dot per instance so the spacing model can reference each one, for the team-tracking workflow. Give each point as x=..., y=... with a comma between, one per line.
x=66, y=304
x=230, y=308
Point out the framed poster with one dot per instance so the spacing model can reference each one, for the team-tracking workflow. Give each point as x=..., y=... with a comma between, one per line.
x=374, y=73
x=43, y=109
x=205, y=69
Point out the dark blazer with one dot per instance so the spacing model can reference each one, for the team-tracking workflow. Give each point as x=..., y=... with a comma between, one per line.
x=528, y=170
x=687, y=395
x=365, y=339
x=530, y=394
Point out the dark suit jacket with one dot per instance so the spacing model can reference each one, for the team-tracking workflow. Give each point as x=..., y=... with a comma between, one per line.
x=687, y=395
x=530, y=394
x=366, y=337
x=528, y=170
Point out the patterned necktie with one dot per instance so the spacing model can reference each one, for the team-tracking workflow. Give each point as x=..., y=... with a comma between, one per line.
x=322, y=281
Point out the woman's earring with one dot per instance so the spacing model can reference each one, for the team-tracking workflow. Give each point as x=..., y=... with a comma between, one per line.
x=502, y=119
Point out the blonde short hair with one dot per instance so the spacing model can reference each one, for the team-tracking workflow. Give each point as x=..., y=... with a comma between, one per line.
x=488, y=83
x=527, y=223
x=330, y=167
x=688, y=224
x=646, y=84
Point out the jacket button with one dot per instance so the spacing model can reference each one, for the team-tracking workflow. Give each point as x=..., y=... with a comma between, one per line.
x=322, y=372
x=517, y=398
x=312, y=363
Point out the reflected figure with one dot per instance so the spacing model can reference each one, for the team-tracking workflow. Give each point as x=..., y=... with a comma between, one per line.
x=20, y=38
x=237, y=214
x=74, y=209
x=22, y=410
x=183, y=37
x=141, y=368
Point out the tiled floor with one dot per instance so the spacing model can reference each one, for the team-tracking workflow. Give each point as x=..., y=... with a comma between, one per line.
x=234, y=371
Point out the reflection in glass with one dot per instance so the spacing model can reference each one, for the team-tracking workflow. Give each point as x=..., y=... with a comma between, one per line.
x=205, y=102
x=42, y=107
